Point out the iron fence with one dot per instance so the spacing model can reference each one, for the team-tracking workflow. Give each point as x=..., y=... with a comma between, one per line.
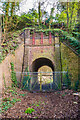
x=42, y=81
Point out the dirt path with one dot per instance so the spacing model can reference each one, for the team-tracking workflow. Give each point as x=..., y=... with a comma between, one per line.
x=60, y=104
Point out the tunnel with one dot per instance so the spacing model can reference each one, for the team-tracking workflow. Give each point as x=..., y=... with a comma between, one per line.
x=41, y=62
x=38, y=63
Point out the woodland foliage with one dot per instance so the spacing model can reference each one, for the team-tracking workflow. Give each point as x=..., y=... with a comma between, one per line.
x=67, y=15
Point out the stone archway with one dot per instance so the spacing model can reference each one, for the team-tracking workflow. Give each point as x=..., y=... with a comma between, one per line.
x=38, y=63
x=41, y=62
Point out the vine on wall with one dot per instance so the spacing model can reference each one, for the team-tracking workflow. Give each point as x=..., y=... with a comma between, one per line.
x=13, y=75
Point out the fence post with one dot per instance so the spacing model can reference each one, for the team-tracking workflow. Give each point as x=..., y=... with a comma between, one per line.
x=22, y=80
x=40, y=82
x=50, y=82
x=31, y=83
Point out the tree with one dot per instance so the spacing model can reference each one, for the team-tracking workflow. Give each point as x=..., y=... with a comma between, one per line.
x=51, y=17
x=42, y=6
x=68, y=13
x=34, y=13
x=9, y=9
x=39, y=11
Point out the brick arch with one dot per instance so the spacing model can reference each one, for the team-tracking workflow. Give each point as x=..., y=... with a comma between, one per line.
x=39, y=62
x=36, y=64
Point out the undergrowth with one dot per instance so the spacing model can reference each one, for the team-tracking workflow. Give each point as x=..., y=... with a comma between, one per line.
x=9, y=101
x=9, y=44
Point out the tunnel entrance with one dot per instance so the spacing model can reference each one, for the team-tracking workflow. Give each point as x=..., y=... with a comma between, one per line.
x=43, y=74
x=39, y=79
x=41, y=62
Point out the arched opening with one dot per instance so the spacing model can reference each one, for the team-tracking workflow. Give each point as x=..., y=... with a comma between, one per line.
x=41, y=62
x=41, y=65
x=47, y=74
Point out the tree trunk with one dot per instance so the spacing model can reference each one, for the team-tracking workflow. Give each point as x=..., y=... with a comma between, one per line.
x=78, y=15
x=6, y=20
x=39, y=11
x=71, y=14
x=67, y=15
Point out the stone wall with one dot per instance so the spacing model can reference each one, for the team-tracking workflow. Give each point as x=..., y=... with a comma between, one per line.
x=70, y=63
x=5, y=68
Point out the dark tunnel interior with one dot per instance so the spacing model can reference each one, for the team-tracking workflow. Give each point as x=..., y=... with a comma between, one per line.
x=41, y=62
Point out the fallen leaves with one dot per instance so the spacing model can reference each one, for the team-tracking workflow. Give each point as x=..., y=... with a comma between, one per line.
x=60, y=104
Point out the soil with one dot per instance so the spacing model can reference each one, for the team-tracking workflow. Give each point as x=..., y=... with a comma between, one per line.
x=48, y=105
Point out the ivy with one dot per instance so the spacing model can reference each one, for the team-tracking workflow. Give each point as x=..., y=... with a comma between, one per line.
x=13, y=75
x=64, y=36
x=76, y=35
x=71, y=40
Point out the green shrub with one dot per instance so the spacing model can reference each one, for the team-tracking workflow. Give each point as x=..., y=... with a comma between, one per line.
x=29, y=110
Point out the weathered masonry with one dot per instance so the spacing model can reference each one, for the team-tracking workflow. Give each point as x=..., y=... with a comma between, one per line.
x=40, y=50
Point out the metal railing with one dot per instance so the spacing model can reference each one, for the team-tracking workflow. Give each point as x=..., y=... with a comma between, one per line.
x=40, y=81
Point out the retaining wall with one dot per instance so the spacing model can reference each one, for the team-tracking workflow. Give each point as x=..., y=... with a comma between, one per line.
x=5, y=67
